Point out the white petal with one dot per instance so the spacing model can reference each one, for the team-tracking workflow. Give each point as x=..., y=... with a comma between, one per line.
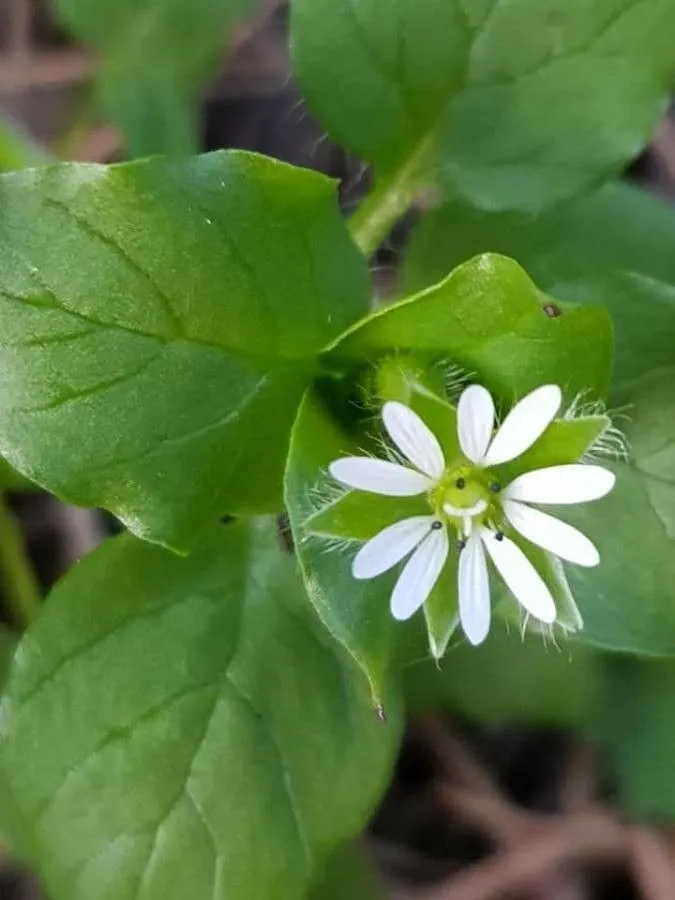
x=413, y=438
x=379, y=476
x=520, y=576
x=551, y=534
x=561, y=484
x=527, y=421
x=475, y=421
x=474, y=591
x=420, y=574
x=390, y=545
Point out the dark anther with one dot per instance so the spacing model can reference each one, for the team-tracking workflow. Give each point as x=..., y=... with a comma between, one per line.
x=552, y=310
x=495, y=487
x=499, y=535
x=436, y=525
x=460, y=483
x=461, y=544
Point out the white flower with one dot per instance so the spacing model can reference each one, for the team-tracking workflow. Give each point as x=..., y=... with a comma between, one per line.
x=465, y=496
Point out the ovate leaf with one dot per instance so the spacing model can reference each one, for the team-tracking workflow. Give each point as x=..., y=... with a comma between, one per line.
x=514, y=105
x=489, y=318
x=180, y=726
x=156, y=54
x=158, y=323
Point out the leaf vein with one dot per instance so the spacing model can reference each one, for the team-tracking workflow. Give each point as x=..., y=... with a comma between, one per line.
x=99, y=388
x=134, y=616
x=132, y=264
x=286, y=784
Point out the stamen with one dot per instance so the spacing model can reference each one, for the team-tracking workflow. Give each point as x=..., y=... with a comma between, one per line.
x=495, y=487
x=461, y=544
x=499, y=535
x=436, y=526
x=460, y=483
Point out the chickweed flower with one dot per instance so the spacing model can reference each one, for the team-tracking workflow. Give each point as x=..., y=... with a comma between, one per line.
x=468, y=503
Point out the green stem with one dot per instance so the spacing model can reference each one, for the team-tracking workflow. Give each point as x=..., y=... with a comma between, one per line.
x=388, y=201
x=19, y=585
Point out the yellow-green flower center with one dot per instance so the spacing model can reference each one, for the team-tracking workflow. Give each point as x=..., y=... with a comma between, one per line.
x=466, y=494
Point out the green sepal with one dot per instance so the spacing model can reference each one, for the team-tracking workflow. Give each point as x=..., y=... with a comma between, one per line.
x=358, y=516
x=441, y=611
x=564, y=441
x=553, y=574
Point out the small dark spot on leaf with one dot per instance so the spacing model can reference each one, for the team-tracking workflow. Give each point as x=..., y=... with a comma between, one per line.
x=552, y=310
x=460, y=483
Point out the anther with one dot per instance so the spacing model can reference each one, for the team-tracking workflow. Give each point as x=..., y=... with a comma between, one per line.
x=495, y=487
x=435, y=526
x=460, y=483
x=499, y=535
x=461, y=544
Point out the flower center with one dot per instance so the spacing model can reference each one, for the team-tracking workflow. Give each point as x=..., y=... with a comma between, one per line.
x=466, y=496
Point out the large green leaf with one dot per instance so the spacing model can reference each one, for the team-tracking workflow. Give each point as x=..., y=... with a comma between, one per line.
x=488, y=317
x=515, y=105
x=615, y=248
x=181, y=726
x=158, y=325
x=156, y=54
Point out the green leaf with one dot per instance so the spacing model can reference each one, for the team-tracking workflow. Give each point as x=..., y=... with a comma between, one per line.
x=514, y=105
x=349, y=876
x=509, y=678
x=614, y=248
x=158, y=326
x=156, y=55
x=488, y=317
x=628, y=602
x=636, y=725
x=228, y=746
x=355, y=612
